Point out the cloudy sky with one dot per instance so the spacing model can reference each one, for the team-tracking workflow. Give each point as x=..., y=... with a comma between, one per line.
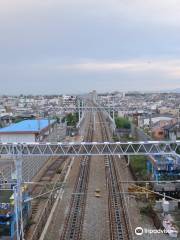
x=61, y=46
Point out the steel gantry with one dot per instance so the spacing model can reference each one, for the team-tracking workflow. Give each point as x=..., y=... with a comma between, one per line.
x=89, y=108
x=82, y=109
x=90, y=148
x=19, y=150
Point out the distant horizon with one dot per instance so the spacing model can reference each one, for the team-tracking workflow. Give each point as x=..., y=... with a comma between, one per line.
x=99, y=92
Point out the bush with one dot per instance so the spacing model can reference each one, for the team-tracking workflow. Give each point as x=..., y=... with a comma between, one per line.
x=147, y=210
x=122, y=123
x=138, y=164
x=72, y=119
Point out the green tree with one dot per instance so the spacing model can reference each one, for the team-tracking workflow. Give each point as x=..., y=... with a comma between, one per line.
x=122, y=123
x=72, y=119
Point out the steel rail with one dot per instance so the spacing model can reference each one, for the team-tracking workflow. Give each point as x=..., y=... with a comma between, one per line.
x=73, y=225
x=118, y=221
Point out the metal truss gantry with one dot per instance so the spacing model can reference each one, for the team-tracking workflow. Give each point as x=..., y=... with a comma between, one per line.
x=82, y=108
x=90, y=148
x=19, y=150
x=89, y=108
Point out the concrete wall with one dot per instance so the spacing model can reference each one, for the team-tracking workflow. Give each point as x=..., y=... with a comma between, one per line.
x=17, y=138
x=173, y=205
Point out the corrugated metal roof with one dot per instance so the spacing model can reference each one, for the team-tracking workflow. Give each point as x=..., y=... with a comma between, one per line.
x=27, y=126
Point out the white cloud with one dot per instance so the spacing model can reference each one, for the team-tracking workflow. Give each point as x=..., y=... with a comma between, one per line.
x=166, y=67
x=169, y=67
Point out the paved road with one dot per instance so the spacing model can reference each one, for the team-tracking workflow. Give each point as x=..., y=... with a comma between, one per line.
x=140, y=134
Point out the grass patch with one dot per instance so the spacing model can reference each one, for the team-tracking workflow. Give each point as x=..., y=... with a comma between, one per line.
x=115, y=138
x=138, y=164
x=147, y=210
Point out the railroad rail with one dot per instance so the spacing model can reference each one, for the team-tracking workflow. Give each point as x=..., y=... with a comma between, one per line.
x=118, y=221
x=46, y=201
x=74, y=220
x=72, y=229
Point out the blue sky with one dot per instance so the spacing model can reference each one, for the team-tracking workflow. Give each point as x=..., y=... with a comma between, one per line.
x=52, y=46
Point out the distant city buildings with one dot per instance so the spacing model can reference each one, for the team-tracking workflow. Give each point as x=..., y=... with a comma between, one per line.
x=93, y=95
x=17, y=108
x=156, y=113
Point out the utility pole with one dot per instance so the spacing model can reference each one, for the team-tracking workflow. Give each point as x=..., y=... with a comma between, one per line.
x=82, y=112
x=94, y=119
x=79, y=106
x=109, y=110
x=18, y=200
x=113, y=109
x=16, y=210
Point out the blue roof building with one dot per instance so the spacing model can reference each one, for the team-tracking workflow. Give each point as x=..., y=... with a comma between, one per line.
x=27, y=130
x=27, y=126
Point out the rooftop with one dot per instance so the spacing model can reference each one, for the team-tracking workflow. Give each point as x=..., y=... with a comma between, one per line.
x=27, y=126
x=5, y=196
x=157, y=119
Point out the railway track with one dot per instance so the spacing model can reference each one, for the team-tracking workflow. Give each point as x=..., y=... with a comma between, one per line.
x=45, y=184
x=118, y=221
x=73, y=226
x=74, y=220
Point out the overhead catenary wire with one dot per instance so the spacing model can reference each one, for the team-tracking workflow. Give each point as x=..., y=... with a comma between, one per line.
x=124, y=182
